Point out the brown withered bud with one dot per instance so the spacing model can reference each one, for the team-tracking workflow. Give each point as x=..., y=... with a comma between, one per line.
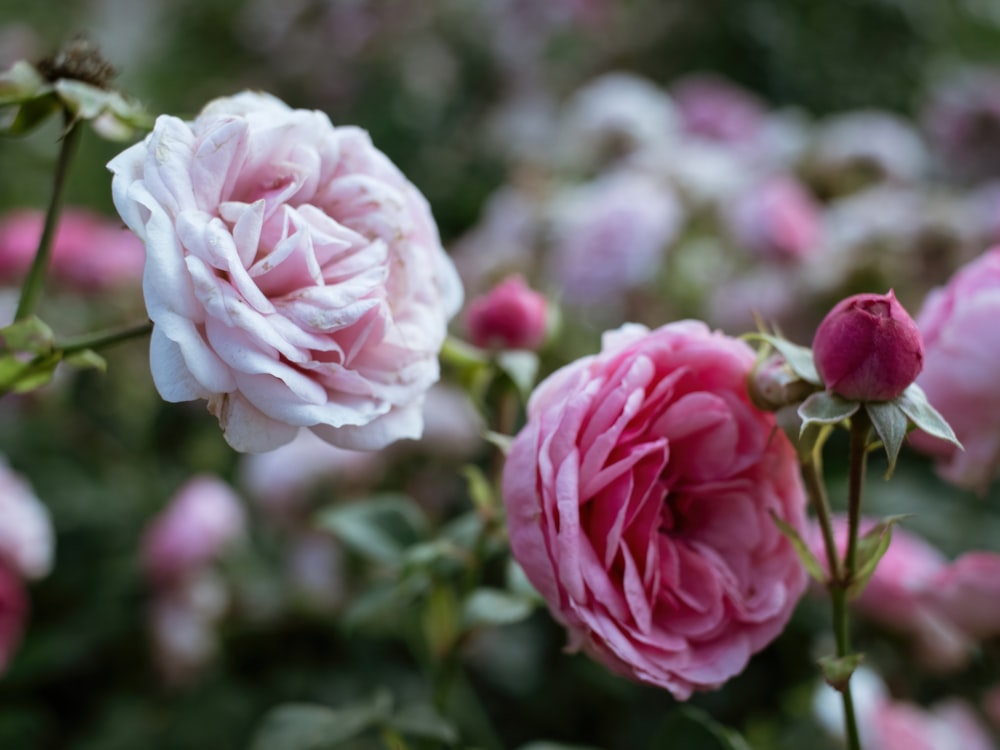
x=81, y=60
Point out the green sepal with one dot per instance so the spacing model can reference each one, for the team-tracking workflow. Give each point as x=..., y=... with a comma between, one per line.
x=826, y=408
x=837, y=670
x=799, y=358
x=809, y=560
x=914, y=404
x=890, y=424
x=872, y=545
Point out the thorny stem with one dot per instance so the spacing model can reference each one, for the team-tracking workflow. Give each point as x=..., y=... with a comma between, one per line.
x=39, y=266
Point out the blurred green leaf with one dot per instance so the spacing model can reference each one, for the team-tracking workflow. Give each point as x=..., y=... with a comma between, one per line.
x=872, y=545
x=87, y=359
x=805, y=555
x=489, y=607
x=688, y=728
x=799, y=358
x=521, y=367
x=837, y=670
x=555, y=746
x=314, y=727
x=379, y=528
x=441, y=621
x=423, y=720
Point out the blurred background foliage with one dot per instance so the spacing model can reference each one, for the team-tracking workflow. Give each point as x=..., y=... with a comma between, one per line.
x=426, y=79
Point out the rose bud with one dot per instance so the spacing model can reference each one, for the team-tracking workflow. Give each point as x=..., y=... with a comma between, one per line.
x=868, y=348
x=512, y=316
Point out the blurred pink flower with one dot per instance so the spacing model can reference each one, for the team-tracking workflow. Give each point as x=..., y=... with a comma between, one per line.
x=294, y=276
x=511, y=316
x=13, y=614
x=962, y=359
x=879, y=144
x=715, y=108
x=89, y=252
x=202, y=519
x=887, y=724
x=946, y=608
x=776, y=219
x=611, y=236
x=638, y=497
x=962, y=121
x=26, y=536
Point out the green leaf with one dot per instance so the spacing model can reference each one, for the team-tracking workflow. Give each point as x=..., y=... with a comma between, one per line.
x=837, y=670
x=113, y=116
x=890, y=423
x=499, y=440
x=486, y=607
x=379, y=528
x=86, y=359
x=422, y=720
x=19, y=376
x=872, y=545
x=555, y=746
x=313, y=727
x=29, y=335
x=441, y=621
x=915, y=405
x=458, y=353
x=480, y=490
x=799, y=358
x=29, y=115
x=808, y=559
x=22, y=82
x=521, y=367
x=825, y=408
x=688, y=728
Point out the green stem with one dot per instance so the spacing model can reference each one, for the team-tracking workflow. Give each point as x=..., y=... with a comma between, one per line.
x=860, y=427
x=812, y=474
x=104, y=339
x=36, y=274
x=841, y=631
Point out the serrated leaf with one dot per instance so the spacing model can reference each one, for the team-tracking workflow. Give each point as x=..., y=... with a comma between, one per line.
x=872, y=545
x=799, y=358
x=379, y=528
x=315, y=727
x=488, y=607
x=825, y=408
x=890, y=424
x=914, y=404
x=423, y=720
x=837, y=670
x=688, y=728
x=805, y=555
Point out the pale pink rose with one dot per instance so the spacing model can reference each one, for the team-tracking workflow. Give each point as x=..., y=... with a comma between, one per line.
x=961, y=361
x=13, y=614
x=776, y=219
x=203, y=518
x=26, y=536
x=183, y=621
x=639, y=496
x=887, y=724
x=294, y=276
x=714, y=108
x=89, y=252
x=945, y=608
x=611, y=236
x=874, y=142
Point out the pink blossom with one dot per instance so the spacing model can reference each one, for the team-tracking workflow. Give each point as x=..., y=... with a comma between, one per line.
x=714, y=108
x=203, y=517
x=89, y=252
x=638, y=497
x=776, y=219
x=511, y=316
x=868, y=348
x=26, y=535
x=612, y=236
x=962, y=359
x=946, y=608
x=294, y=276
x=870, y=142
x=13, y=614
x=963, y=123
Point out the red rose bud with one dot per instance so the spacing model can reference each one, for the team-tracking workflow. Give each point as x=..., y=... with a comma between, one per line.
x=868, y=348
x=512, y=316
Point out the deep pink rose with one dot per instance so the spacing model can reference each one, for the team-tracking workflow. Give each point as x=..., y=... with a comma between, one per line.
x=511, y=316
x=868, y=348
x=638, y=497
x=202, y=519
x=961, y=365
x=13, y=614
x=945, y=607
x=294, y=276
x=89, y=252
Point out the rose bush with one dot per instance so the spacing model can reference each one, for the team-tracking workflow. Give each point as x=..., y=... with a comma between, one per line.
x=294, y=276
x=639, y=496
